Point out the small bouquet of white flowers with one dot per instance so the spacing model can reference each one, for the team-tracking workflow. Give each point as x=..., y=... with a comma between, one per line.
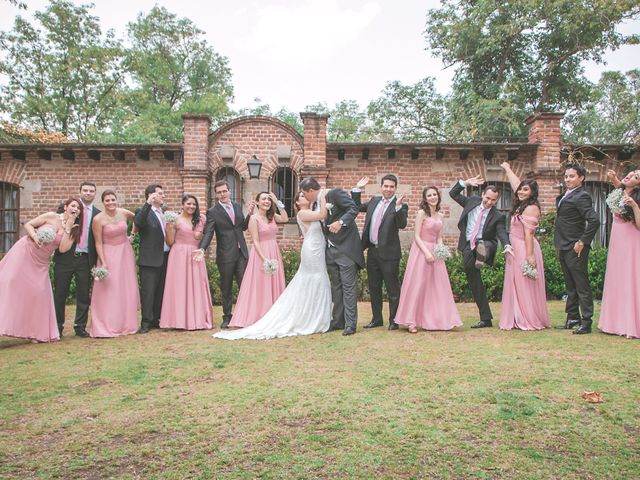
x=615, y=201
x=270, y=266
x=441, y=252
x=529, y=270
x=99, y=273
x=45, y=235
x=171, y=217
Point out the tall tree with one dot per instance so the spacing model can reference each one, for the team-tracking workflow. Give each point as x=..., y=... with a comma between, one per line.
x=613, y=113
x=174, y=70
x=527, y=54
x=62, y=73
x=409, y=112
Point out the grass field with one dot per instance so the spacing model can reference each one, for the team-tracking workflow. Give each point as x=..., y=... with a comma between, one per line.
x=443, y=405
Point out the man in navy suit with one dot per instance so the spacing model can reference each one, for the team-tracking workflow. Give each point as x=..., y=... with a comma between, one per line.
x=576, y=225
x=385, y=216
x=153, y=255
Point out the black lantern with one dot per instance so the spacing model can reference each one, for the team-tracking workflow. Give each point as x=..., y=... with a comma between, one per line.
x=254, y=166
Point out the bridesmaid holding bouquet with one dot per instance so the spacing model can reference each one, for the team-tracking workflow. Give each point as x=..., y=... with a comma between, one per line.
x=263, y=280
x=26, y=296
x=115, y=300
x=426, y=299
x=524, y=298
x=187, y=299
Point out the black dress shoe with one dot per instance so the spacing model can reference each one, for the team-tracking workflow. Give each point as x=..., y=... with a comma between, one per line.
x=143, y=329
x=482, y=324
x=82, y=333
x=584, y=328
x=348, y=331
x=225, y=324
x=393, y=326
x=373, y=324
x=569, y=325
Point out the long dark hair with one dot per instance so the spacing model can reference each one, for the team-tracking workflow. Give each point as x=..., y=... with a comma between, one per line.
x=272, y=209
x=519, y=206
x=76, y=232
x=425, y=206
x=195, y=220
x=628, y=215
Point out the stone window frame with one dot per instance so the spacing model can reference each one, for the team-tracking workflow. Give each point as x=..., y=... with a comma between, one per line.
x=286, y=193
x=9, y=215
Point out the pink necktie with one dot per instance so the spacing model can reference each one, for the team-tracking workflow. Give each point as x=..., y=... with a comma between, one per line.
x=476, y=229
x=84, y=239
x=229, y=209
x=378, y=220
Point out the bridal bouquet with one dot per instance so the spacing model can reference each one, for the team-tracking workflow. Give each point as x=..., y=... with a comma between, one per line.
x=529, y=270
x=615, y=201
x=441, y=252
x=99, y=273
x=270, y=266
x=171, y=217
x=45, y=235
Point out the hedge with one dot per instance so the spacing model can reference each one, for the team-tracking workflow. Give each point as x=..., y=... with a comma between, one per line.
x=493, y=277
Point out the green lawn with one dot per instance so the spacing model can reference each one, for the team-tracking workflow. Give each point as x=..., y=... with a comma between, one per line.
x=443, y=405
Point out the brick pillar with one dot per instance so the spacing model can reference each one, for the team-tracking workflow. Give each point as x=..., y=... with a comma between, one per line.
x=315, y=146
x=544, y=131
x=195, y=172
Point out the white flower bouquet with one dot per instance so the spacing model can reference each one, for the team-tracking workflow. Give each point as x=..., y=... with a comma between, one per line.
x=529, y=270
x=171, y=217
x=45, y=235
x=615, y=201
x=441, y=252
x=99, y=273
x=270, y=266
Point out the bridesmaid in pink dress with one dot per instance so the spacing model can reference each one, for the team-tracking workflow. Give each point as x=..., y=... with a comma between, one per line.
x=260, y=289
x=187, y=299
x=115, y=299
x=426, y=299
x=25, y=288
x=620, y=312
x=524, y=299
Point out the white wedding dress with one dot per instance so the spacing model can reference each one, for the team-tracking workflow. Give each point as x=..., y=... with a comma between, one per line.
x=305, y=305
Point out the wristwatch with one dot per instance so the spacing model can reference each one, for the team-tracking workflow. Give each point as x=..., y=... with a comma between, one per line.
x=341, y=222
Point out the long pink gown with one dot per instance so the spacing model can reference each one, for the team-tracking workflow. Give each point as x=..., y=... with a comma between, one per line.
x=426, y=299
x=187, y=300
x=26, y=297
x=116, y=299
x=620, y=313
x=259, y=290
x=524, y=300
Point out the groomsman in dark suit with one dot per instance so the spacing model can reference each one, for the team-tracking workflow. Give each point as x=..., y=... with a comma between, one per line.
x=481, y=225
x=152, y=260
x=576, y=225
x=78, y=261
x=386, y=215
x=226, y=220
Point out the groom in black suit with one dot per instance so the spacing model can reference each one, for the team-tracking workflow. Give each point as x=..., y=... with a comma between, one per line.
x=576, y=225
x=386, y=215
x=152, y=260
x=343, y=253
x=481, y=225
x=226, y=220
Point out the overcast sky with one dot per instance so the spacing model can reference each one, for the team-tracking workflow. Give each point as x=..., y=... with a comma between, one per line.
x=293, y=53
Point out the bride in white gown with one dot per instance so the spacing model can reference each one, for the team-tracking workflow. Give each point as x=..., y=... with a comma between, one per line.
x=305, y=305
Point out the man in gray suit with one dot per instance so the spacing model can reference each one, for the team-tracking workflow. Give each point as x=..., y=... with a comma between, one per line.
x=343, y=254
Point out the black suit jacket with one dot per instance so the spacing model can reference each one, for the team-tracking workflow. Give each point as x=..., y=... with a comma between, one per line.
x=151, y=237
x=392, y=222
x=228, y=235
x=575, y=220
x=347, y=240
x=67, y=257
x=495, y=226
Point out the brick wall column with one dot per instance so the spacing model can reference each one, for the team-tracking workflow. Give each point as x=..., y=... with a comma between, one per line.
x=315, y=146
x=196, y=172
x=544, y=131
